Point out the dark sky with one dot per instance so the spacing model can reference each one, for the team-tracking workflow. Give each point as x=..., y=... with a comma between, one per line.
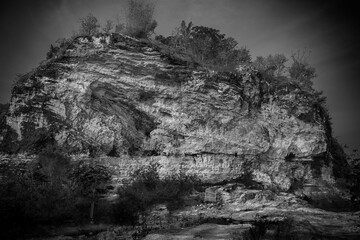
x=330, y=29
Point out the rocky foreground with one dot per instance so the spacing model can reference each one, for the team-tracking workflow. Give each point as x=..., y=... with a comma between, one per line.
x=237, y=213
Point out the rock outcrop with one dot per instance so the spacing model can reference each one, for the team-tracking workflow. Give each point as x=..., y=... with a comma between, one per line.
x=247, y=214
x=116, y=96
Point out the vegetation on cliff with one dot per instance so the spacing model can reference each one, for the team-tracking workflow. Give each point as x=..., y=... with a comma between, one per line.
x=200, y=62
x=257, y=82
x=36, y=193
x=190, y=44
x=147, y=189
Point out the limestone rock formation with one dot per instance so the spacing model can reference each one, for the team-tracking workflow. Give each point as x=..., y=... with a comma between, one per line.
x=263, y=214
x=116, y=96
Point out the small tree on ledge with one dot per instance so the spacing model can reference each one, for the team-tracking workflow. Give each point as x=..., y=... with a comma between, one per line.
x=89, y=25
x=108, y=26
x=301, y=71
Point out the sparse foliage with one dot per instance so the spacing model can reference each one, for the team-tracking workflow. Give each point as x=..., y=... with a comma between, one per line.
x=90, y=179
x=119, y=26
x=272, y=65
x=147, y=188
x=62, y=44
x=139, y=19
x=89, y=25
x=206, y=42
x=208, y=46
x=301, y=71
x=108, y=26
x=353, y=158
x=52, y=52
x=163, y=40
x=181, y=36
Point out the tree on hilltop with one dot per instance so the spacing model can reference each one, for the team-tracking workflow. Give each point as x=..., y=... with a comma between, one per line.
x=272, y=65
x=182, y=34
x=301, y=71
x=89, y=25
x=139, y=19
x=208, y=46
x=108, y=26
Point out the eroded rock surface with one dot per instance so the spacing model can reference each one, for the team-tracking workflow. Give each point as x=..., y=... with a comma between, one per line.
x=240, y=213
x=119, y=96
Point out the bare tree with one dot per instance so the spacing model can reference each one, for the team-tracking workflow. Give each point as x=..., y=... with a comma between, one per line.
x=89, y=25
x=300, y=70
x=108, y=26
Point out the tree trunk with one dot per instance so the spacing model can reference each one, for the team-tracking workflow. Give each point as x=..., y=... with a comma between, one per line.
x=92, y=212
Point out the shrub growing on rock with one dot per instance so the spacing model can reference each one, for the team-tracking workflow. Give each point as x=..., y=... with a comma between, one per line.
x=272, y=65
x=147, y=189
x=208, y=46
x=59, y=50
x=89, y=25
x=108, y=26
x=301, y=71
x=52, y=52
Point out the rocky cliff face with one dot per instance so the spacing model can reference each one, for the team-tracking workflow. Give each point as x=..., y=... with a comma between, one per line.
x=117, y=96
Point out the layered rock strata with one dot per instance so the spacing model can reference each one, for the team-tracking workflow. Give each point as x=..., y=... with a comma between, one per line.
x=139, y=101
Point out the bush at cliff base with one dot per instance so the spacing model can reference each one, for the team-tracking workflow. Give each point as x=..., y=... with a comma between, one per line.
x=148, y=188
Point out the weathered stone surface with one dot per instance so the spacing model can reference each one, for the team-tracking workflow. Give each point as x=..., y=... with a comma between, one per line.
x=121, y=96
x=238, y=209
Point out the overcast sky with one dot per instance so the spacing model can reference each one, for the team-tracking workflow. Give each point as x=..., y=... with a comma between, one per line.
x=330, y=29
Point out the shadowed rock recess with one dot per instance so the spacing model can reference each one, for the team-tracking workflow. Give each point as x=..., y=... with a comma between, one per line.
x=120, y=96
